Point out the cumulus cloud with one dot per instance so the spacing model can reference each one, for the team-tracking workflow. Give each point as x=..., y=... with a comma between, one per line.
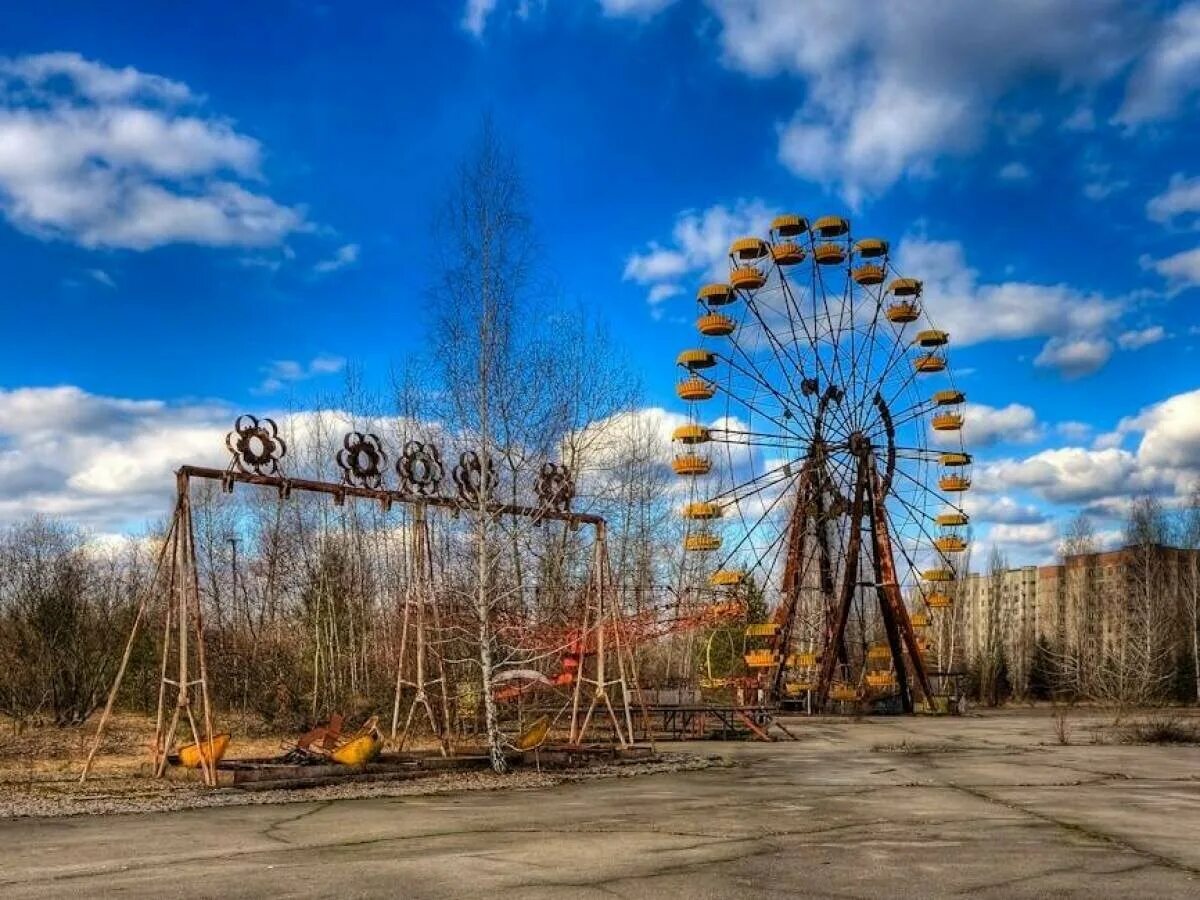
x=985, y=425
x=1182, y=270
x=108, y=157
x=988, y=508
x=103, y=461
x=1014, y=171
x=1169, y=72
x=1026, y=535
x=972, y=311
x=1165, y=460
x=346, y=255
x=887, y=94
x=283, y=372
x=1138, y=338
x=698, y=247
x=476, y=14
x=1182, y=197
x=1075, y=357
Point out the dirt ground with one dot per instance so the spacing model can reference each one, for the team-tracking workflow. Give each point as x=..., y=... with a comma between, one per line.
x=40, y=767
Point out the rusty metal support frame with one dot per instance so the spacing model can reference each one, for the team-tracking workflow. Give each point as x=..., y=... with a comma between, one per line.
x=384, y=496
x=849, y=581
x=183, y=615
x=891, y=603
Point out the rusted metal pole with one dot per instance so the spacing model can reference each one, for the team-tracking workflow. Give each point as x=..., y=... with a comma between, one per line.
x=849, y=583
x=891, y=587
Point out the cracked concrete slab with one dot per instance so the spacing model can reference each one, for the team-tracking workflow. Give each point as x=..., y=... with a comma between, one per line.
x=987, y=806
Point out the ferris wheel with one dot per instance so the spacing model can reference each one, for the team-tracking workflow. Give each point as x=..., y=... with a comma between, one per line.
x=824, y=461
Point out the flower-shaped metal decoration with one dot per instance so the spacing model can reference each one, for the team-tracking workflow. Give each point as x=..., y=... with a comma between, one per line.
x=420, y=469
x=476, y=480
x=362, y=460
x=255, y=446
x=555, y=488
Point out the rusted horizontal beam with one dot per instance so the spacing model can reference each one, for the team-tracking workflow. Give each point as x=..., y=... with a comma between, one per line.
x=383, y=496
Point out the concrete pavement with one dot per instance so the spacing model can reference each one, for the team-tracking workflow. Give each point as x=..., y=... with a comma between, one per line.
x=986, y=806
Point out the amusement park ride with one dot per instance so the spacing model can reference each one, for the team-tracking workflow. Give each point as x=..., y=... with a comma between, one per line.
x=824, y=473
x=818, y=358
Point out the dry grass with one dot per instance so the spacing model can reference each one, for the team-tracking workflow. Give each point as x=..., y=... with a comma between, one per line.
x=1166, y=728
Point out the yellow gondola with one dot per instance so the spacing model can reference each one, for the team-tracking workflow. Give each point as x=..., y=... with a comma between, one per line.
x=748, y=249
x=789, y=225
x=949, y=397
x=689, y=464
x=954, y=483
x=952, y=519
x=747, y=278
x=691, y=434
x=947, y=422
x=929, y=363
x=881, y=679
x=701, y=510
x=701, y=543
x=761, y=659
x=879, y=652
x=870, y=248
x=831, y=226
x=190, y=755
x=716, y=294
x=902, y=313
x=696, y=358
x=938, y=575
x=905, y=287
x=726, y=578
x=843, y=693
x=715, y=325
x=950, y=544
x=954, y=459
x=803, y=660
x=829, y=254
x=694, y=389
x=932, y=337
x=762, y=629
x=867, y=275
x=939, y=601
x=787, y=253
x=919, y=620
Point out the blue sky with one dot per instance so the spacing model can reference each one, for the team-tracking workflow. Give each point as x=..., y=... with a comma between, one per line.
x=218, y=206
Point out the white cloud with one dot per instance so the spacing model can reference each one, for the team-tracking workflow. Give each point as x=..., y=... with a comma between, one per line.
x=1083, y=119
x=974, y=312
x=1138, y=338
x=886, y=94
x=635, y=9
x=1064, y=474
x=1170, y=433
x=1169, y=72
x=102, y=461
x=102, y=277
x=346, y=255
x=699, y=246
x=1102, y=190
x=115, y=161
x=1024, y=535
x=984, y=425
x=1181, y=197
x=1075, y=357
x=283, y=372
x=476, y=15
x=1074, y=431
x=1182, y=270
x=1166, y=461
x=987, y=508
x=1014, y=171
